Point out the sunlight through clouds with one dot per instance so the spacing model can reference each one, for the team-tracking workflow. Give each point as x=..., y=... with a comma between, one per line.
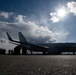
x=39, y=22
x=62, y=12
x=58, y=15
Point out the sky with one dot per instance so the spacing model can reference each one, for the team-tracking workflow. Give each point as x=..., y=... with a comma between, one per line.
x=41, y=21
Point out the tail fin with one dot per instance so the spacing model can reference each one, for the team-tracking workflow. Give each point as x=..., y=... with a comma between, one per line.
x=9, y=36
x=22, y=38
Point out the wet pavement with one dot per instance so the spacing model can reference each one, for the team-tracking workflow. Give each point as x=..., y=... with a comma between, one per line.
x=38, y=65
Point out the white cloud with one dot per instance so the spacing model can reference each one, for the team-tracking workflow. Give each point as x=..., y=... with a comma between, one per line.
x=32, y=30
x=5, y=14
x=72, y=7
x=36, y=31
x=53, y=14
x=4, y=41
x=54, y=19
x=19, y=19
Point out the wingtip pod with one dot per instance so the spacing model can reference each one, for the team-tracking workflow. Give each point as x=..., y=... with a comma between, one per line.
x=9, y=36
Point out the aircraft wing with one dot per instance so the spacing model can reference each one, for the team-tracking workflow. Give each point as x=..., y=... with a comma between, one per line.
x=23, y=39
x=14, y=43
x=25, y=43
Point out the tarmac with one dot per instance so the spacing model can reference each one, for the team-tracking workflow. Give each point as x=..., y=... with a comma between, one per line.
x=38, y=65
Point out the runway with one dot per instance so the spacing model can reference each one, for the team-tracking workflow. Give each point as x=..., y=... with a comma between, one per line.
x=38, y=65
